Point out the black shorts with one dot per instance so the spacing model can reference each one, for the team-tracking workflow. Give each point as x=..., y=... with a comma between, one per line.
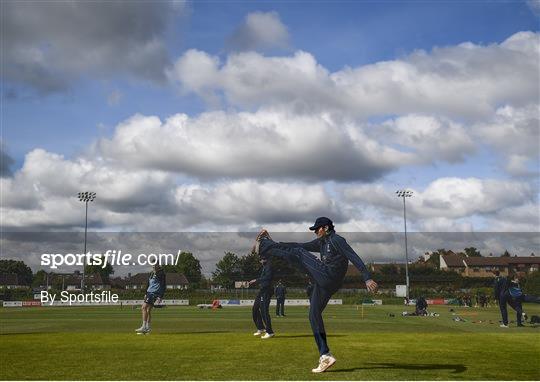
x=150, y=298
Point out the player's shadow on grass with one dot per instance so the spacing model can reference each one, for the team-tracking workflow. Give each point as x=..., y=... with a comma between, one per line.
x=406, y=366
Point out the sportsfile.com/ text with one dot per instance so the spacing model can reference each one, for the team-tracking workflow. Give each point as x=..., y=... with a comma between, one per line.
x=112, y=257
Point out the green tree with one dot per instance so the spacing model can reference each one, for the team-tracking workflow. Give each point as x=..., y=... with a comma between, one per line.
x=288, y=273
x=23, y=271
x=57, y=281
x=389, y=269
x=227, y=270
x=531, y=283
x=249, y=266
x=506, y=254
x=205, y=282
x=435, y=259
x=40, y=278
x=472, y=252
x=104, y=272
x=189, y=266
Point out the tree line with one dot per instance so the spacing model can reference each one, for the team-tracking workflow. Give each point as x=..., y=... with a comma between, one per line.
x=231, y=268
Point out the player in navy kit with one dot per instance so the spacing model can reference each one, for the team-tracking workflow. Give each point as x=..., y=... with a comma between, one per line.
x=261, y=305
x=326, y=273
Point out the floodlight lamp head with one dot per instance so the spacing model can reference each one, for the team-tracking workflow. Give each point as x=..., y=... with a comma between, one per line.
x=404, y=193
x=86, y=196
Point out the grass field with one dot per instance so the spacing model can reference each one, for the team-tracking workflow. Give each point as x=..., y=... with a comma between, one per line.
x=96, y=343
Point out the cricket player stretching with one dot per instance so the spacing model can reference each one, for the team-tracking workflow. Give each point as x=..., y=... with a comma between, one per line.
x=327, y=273
x=155, y=288
x=261, y=306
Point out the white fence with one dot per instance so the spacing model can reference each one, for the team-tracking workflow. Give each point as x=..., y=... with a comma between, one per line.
x=299, y=302
x=14, y=304
x=289, y=302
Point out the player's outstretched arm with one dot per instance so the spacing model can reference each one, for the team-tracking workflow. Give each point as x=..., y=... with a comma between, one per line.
x=344, y=248
x=371, y=285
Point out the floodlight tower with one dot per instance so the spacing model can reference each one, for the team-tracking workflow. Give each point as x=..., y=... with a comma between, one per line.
x=85, y=197
x=405, y=194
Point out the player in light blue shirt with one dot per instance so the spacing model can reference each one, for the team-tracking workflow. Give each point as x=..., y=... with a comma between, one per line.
x=155, y=289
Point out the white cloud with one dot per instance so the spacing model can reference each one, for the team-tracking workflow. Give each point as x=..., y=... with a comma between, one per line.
x=230, y=170
x=265, y=144
x=247, y=202
x=521, y=218
x=467, y=80
x=430, y=137
x=43, y=195
x=445, y=102
x=199, y=73
x=43, y=192
x=260, y=30
x=514, y=133
x=455, y=197
x=250, y=79
x=451, y=204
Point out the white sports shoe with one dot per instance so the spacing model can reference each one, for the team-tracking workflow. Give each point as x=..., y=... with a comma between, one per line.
x=140, y=330
x=503, y=326
x=325, y=362
x=258, y=332
x=268, y=335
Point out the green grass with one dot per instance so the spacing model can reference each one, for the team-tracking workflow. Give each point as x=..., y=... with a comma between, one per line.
x=97, y=343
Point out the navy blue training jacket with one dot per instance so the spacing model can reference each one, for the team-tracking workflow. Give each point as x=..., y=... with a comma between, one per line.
x=336, y=254
x=265, y=279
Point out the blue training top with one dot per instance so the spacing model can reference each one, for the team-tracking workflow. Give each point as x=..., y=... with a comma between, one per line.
x=156, y=283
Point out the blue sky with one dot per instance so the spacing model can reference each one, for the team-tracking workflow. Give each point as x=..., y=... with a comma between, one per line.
x=69, y=85
x=338, y=34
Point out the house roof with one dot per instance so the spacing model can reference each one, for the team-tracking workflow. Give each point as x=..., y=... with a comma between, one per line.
x=481, y=261
x=94, y=279
x=118, y=281
x=523, y=260
x=176, y=279
x=138, y=279
x=453, y=260
x=486, y=261
x=501, y=261
x=9, y=279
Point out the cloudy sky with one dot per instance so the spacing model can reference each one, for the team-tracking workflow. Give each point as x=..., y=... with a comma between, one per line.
x=226, y=117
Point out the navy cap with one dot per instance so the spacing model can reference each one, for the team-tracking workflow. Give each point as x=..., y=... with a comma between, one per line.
x=320, y=222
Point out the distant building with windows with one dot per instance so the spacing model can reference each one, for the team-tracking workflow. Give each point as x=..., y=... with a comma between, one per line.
x=466, y=266
x=484, y=266
x=72, y=281
x=172, y=280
